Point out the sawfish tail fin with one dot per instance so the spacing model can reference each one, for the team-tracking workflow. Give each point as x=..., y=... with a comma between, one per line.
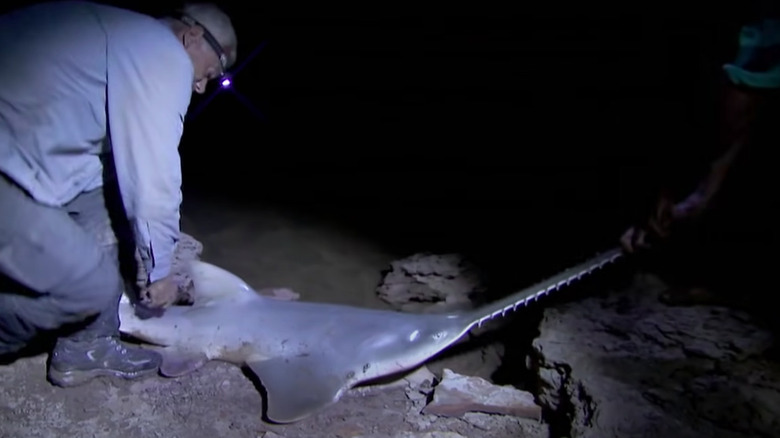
x=530, y=294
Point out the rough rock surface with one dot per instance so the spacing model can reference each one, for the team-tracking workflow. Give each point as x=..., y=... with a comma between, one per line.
x=624, y=364
x=430, y=283
x=217, y=401
x=456, y=395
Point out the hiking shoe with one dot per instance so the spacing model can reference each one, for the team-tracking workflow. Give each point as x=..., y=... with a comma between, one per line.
x=76, y=362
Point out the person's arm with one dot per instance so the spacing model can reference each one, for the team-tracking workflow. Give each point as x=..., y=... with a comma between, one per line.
x=755, y=69
x=738, y=110
x=148, y=94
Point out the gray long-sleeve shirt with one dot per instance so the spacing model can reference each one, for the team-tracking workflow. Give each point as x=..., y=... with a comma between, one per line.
x=78, y=80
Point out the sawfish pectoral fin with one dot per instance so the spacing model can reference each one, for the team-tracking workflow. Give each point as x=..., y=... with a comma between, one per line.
x=176, y=363
x=299, y=386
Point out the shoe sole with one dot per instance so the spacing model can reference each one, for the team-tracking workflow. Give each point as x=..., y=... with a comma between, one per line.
x=69, y=379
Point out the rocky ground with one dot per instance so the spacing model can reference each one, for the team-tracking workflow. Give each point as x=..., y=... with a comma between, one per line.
x=218, y=400
x=620, y=363
x=602, y=359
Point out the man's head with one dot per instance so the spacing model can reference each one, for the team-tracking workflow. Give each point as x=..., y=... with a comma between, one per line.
x=208, y=36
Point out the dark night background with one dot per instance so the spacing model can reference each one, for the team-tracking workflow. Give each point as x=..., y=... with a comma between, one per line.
x=528, y=136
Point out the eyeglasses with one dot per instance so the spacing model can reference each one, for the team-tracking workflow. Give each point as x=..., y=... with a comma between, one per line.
x=188, y=20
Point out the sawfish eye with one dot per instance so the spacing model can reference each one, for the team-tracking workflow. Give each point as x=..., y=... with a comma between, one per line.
x=439, y=335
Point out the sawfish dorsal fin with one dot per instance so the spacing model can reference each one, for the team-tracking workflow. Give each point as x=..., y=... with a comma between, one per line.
x=299, y=386
x=212, y=283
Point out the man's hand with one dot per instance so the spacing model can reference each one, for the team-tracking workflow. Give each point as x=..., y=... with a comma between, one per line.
x=160, y=294
x=660, y=225
x=657, y=227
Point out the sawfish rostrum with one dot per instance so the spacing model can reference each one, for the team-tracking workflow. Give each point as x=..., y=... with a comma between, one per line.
x=305, y=354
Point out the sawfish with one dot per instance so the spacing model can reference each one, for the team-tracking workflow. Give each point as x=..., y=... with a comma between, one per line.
x=306, y=354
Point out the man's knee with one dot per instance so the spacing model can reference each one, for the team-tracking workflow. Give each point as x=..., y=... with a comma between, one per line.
x=25, y=314
x=57, y=251
x=67, y=272
x=94, y=292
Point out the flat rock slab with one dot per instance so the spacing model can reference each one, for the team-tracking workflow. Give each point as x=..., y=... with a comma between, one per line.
x=456, y=395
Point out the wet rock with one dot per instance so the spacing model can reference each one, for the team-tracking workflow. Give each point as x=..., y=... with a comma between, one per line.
x=625, y=364
x=456, y=395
